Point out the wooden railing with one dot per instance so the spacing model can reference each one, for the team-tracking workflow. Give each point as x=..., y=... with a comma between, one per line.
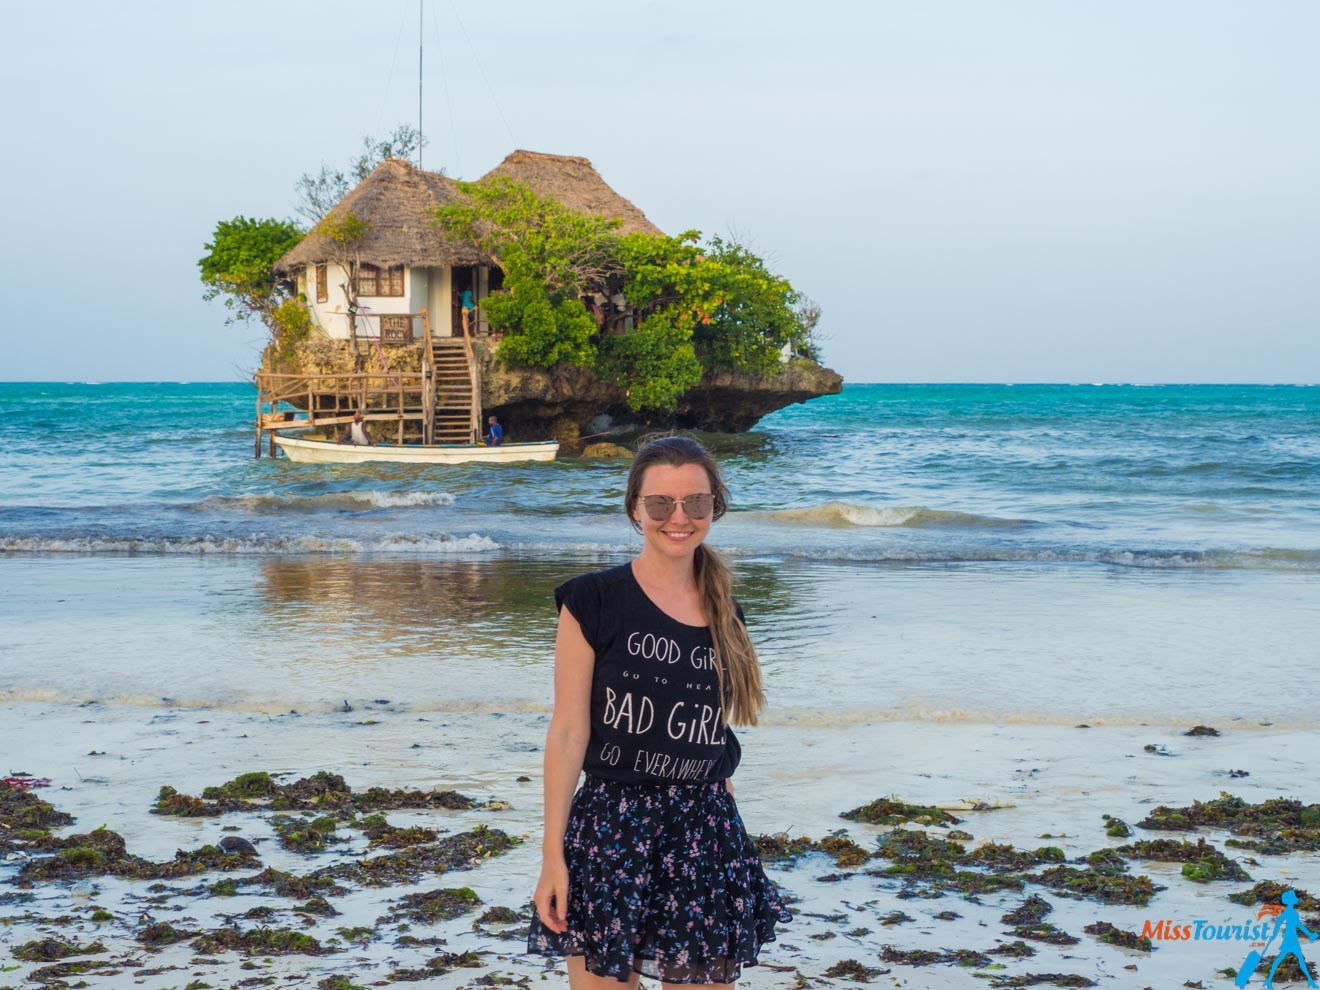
x=383, y=397
x=474, y=416
x=329, y=400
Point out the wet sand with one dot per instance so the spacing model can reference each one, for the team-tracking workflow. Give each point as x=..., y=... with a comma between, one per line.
x=1051, y=785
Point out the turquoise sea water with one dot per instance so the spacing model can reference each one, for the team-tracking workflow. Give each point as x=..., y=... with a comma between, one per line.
x=1193, y=476
x=1030, y=551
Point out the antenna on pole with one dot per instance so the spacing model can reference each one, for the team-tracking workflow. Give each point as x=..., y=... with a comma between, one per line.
x=419, y=82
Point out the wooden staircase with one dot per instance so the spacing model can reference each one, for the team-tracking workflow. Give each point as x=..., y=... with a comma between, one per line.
x=457, y=406
x=451, y=390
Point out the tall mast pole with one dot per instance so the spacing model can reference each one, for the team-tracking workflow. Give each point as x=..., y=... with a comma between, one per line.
x=419, y=82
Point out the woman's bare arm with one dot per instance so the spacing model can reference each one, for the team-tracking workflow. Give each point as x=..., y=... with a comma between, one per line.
x=565, y=751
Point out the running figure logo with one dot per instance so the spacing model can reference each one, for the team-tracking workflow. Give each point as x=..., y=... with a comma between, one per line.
x=1290, y=922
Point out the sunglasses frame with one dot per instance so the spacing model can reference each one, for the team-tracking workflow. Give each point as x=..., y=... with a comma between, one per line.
x=674, y=503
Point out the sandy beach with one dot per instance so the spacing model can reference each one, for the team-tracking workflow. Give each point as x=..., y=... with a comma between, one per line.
x=1049, y=785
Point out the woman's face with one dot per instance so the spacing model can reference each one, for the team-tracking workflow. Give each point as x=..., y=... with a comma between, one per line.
x=679, y=535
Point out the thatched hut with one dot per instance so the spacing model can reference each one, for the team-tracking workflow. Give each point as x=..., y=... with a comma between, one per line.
x=406, y=262
x=576, y=184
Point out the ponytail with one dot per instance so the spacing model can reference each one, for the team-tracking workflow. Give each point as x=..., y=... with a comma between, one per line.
x=739, y=670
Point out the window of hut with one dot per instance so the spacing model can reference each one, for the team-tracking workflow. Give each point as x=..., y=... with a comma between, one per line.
x=373, y=281
x=322, y=283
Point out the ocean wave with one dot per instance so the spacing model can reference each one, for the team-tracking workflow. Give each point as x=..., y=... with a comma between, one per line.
x=842, y=514
x=1213, y=560
x=273, y=501
x=258, y=543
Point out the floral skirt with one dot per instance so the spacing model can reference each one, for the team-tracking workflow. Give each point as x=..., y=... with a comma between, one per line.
x=662, y=881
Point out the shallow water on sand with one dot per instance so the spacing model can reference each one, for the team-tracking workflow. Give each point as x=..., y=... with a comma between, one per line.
x=841, y=642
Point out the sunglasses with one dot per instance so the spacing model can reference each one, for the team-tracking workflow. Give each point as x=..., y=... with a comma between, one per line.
x=661, y=507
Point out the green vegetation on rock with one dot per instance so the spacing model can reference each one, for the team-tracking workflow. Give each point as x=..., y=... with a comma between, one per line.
x=695, y=308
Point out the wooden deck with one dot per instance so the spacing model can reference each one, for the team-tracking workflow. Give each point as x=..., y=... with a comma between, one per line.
x=441, y=404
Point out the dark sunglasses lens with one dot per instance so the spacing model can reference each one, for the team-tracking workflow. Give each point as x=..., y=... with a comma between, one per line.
x=698, y=506
x=659, y=507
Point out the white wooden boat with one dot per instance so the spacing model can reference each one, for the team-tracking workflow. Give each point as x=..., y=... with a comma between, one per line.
x=308, y=451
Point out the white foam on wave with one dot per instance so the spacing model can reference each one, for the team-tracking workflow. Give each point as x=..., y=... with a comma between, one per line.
x=275, y=501
x=267, y=703
x=1226, y=560
x=259, y=543
x=843, y=514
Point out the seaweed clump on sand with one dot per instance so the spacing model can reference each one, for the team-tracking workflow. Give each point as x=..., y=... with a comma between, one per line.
x=1277, y=826
x=321, y=792
x=1202, y=862
x=162, y=933
x=1099, y=884
x=932, y=865
x=1041, y=979
x=318, y=906
x=438, y=966
x=1043, y=931
x=431, y=906
x=1003, y=858
x=1270, y=892
x=293, y=886
x=55, y=974
x=851, y=969
x=781, y=847
x=1030, y=911
x=455, y=852
x=927, y=957
x=52, y=949
x=1106, y=932
x=24, y=816
x=498, y=916
x=102, y=853
x=890, y=811
x=258, y=942
x=381, y=833
x=1116, y=828
x=336, y=982
x=305, y=835
x=1016, y=949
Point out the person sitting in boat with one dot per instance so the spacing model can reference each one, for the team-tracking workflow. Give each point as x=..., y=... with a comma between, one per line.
x=495, y=436
x=356, y=432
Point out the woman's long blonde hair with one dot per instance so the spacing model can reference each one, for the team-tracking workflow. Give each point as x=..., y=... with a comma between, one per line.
x=738, y=669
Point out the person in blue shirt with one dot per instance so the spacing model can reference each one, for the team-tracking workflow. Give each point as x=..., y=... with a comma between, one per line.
x=495, y=436
x=469, y=308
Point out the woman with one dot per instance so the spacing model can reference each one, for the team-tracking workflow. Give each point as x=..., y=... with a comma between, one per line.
x=650, y=870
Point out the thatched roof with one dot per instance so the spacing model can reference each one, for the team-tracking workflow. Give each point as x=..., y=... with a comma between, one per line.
x=576, y=184
x=397, y=201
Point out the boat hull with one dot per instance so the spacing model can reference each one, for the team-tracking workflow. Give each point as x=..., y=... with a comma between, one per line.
x=328, y=452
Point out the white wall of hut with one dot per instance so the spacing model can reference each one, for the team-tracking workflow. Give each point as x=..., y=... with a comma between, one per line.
x=429, y=287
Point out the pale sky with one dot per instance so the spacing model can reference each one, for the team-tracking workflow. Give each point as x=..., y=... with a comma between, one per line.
x=973, y=190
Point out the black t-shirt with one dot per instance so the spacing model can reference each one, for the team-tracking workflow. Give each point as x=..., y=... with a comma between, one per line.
x=655, y=700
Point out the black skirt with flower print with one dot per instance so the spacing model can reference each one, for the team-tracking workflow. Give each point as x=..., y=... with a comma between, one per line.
x=663, y=881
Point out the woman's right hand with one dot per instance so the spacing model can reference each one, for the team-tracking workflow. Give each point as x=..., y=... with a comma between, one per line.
x=552, y=894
